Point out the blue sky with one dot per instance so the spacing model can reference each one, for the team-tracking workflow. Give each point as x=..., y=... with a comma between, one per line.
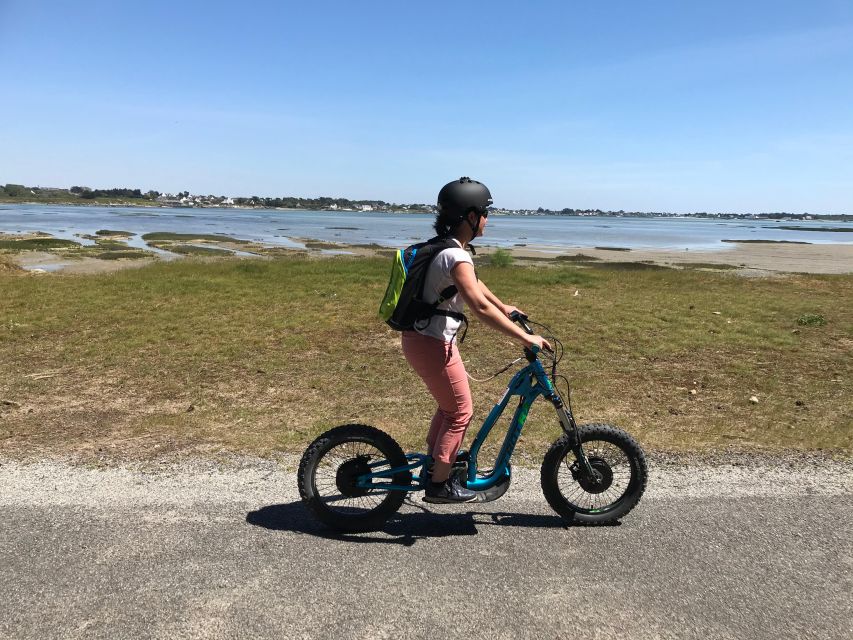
x=652, y=106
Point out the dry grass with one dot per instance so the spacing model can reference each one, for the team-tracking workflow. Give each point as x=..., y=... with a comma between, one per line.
x=7, y=266
x=259, y=356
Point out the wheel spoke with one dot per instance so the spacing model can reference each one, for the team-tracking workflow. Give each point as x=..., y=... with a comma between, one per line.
x=604, y=454
x=361, y=501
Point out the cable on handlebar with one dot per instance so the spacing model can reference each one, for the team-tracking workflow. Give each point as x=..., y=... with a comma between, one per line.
x=559, y=351
x=495, y=375
x=555, y=357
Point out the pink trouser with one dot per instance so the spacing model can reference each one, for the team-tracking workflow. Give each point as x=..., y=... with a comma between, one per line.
x=440, y=367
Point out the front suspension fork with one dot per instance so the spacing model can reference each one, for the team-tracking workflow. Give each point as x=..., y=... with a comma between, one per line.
x=570, y=427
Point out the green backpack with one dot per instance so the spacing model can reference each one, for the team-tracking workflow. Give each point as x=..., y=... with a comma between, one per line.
x=403, y=305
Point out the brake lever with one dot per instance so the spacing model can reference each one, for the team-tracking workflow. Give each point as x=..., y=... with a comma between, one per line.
x=517, y=316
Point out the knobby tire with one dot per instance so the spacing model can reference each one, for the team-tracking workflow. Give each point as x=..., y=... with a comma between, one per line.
x=567, y=500
x=364, y=519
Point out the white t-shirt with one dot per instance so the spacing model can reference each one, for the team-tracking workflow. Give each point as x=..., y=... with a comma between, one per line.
x=437, y=280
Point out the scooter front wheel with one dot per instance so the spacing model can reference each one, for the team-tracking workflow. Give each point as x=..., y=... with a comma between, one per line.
x=619, y=470
x=329, y=471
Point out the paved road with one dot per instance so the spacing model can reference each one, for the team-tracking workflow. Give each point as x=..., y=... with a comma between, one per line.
x=200, y=552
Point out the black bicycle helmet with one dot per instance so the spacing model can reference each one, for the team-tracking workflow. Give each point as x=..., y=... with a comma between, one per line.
x=459, y=197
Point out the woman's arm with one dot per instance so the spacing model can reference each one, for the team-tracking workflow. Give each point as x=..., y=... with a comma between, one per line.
x=486, y=310
x=506, y=309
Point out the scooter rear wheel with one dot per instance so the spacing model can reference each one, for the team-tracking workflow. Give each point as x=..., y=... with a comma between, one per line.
x=329, y=469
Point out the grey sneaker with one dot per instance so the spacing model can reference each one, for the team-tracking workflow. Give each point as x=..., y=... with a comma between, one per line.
x=448, y=491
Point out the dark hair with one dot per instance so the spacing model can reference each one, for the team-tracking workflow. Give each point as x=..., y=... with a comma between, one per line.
x=446, y=222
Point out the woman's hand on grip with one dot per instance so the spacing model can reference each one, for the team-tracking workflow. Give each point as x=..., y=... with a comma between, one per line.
x=508, y=309
x=538, y=342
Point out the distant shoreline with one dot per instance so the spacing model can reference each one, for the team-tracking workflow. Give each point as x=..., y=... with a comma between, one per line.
x=770, y=217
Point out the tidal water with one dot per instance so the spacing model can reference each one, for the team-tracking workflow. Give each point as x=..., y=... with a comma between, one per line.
x=289, y=228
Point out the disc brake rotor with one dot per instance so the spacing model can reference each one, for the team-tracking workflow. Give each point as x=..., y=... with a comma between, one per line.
x=602, y=472
x=347, y=474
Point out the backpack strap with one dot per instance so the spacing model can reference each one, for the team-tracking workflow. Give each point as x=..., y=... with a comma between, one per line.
x=446, y=293
x=439, y=244
x=456, y=316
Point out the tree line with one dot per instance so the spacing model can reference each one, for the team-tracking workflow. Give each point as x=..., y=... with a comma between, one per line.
x=87, y=193
x=90, y=194
x=58, y=196
x=22, y=191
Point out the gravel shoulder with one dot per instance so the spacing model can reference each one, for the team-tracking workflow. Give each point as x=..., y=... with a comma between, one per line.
x=203, y=549
x=245, y=479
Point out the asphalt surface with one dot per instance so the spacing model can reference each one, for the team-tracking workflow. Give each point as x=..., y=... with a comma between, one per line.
x=197, y=551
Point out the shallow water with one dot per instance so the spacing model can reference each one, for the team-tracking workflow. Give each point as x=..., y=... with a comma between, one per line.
x=286, y=228
x=53, y=266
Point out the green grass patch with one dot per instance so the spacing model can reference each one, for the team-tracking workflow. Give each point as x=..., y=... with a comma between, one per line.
x=165, y=235
x=825, y=229
x=578, y=257
x=190, y=250
x=705, y=265
x=110, y=244
x=629, y=266
x=110, y=232
x=500, y=258
x=120, y=255
x=811, y=320
x=370, y=245
x=269, y=353
x=321, y=244
x=37, y=244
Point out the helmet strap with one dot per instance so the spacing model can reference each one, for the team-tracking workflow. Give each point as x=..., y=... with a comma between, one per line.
x=474, y=226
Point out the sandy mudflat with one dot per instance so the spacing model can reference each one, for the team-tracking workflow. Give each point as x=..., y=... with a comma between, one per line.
x=756, y=258
x=759, y=256
x=42, y=261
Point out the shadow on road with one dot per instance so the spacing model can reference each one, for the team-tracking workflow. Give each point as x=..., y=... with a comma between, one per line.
x=405, y=529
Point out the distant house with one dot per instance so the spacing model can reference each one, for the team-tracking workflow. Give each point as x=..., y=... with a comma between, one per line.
x=333, y=207
x=366, y=207
x=228, y=201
